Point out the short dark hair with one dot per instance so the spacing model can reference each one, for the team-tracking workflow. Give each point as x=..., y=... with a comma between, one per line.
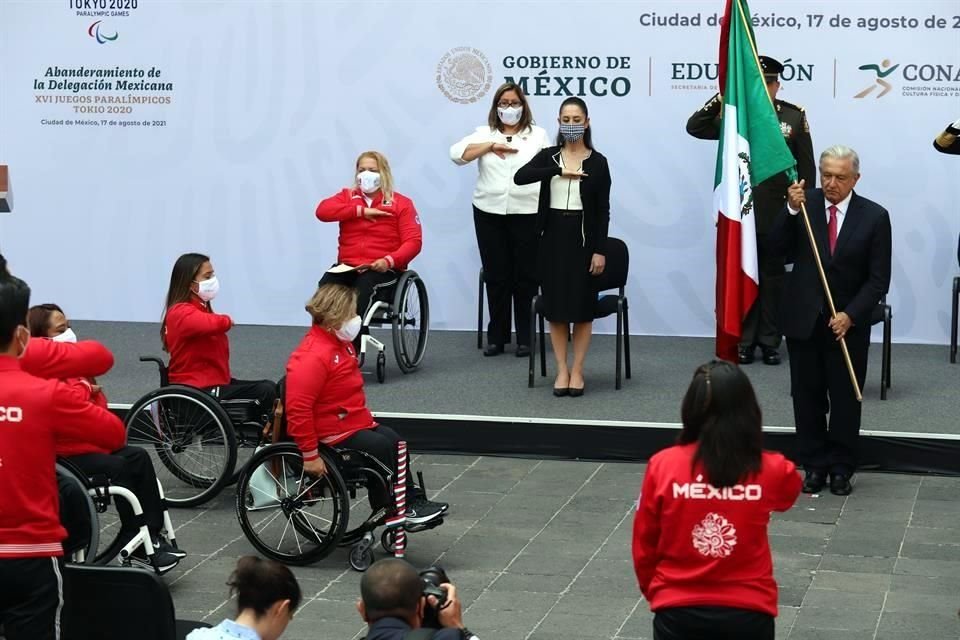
x=3, y=266
x=14, y=303
x=526, y=118
x=38, y=319
x=259, y=583
x=720, y=413
x=390, y=588
x=587, y=137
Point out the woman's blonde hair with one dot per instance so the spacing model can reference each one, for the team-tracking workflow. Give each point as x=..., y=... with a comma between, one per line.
x=386, y=177
x=332, y=305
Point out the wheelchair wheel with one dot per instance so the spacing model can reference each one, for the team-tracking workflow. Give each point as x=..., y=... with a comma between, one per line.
x=189, y=438
x=85, y=549
x=361, y=556
x=388, y=540
x=381, y=367
x=411, y=321
x=286, y=514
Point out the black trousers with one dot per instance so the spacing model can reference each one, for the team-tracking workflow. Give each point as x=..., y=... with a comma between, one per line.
x=760, y=326
x=712, y=623
x=821, y=386
x=508, y=252
x=368, y=284
x=31, y=597
x=131, y=468
x=381, y=443
x=263, y=390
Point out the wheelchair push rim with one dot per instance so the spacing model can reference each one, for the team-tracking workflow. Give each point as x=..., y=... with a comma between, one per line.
x=86, y=554
x=286, y=514
x=411, y=322
x=190, y=440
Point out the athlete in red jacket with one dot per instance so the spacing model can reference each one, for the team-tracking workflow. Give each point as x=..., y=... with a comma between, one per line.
x=35, y=416
x=379, y=229
x=196, y=337
x=325, y=400
x=700, y=547
x=126, y=466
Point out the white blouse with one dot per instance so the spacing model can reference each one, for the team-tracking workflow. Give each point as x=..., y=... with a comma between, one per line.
x=565, y=192
x=495, y=191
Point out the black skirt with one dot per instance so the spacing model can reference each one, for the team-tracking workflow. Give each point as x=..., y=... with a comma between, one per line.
x=569, y=291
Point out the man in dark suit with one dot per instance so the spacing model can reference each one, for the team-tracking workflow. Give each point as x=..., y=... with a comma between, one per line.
x=760, y=326
x=853, y=241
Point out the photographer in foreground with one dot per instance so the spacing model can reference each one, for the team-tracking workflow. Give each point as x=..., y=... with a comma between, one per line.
x=395, y=600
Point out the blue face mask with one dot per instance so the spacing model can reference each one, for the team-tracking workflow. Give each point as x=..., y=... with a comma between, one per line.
x=572, y=132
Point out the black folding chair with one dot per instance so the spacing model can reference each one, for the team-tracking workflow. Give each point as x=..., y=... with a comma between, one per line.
x=119, y=602
x=614, y=276
x=884, y=313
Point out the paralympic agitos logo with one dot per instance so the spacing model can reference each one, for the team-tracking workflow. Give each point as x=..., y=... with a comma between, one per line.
x=101, y=37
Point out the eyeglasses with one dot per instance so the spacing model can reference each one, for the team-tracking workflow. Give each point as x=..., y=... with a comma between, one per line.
x=507, y=105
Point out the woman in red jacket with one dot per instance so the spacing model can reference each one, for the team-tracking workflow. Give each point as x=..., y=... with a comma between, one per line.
x=49, y=321
x=126, y=466
x=325, y=400
x=196, y=337
x=700, y=547
x=379, y=229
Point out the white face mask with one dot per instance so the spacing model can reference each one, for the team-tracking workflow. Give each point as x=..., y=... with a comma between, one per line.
x=207, y=289
x=510, y=116
x=66, y=336
x=350, y=329
x=369, y=181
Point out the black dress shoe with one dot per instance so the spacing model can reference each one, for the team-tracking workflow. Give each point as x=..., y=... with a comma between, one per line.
x=771, y=356
x=840, y=484
x=523, y=351
x=565, y=391
x=493, y=350
x=814, y=481
x=746, y=355
x=576, y=393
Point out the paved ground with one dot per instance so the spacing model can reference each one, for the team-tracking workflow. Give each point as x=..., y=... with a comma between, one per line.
x=540, y=550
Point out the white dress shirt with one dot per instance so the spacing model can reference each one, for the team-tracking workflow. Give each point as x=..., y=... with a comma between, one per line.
x=495, y=191
x=565, y=192
x=841, y=210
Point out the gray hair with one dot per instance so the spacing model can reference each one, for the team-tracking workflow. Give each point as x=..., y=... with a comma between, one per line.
x=841, y=152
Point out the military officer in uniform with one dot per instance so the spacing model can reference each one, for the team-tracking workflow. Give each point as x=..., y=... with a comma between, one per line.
x=760, y=326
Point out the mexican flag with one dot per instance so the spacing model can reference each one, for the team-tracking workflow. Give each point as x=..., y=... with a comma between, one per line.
x=751, y=150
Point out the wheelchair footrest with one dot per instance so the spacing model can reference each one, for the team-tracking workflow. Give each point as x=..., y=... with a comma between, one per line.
x=426, y=526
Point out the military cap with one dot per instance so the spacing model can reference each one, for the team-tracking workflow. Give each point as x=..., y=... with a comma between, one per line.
x=771, y=68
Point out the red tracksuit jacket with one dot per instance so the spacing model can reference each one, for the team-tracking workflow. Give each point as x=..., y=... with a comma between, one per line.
x=325, y=400
x=36, y=416
x=696, y=546
x=198, y=345
x=397, y=239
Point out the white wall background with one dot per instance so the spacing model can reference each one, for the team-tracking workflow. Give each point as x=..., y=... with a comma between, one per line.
x=272, y=102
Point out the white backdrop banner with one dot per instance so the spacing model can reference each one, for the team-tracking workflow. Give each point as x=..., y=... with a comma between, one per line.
x=137, y=130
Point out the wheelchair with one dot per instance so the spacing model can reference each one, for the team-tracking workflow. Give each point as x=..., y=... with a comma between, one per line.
x=101, y=544
x=298, y=519
x=197, y=442
x=405, y=308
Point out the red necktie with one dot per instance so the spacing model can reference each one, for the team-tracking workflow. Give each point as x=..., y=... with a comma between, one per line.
x=832, y=228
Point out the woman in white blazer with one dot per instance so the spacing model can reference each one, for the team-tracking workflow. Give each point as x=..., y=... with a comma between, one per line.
x=504, y=214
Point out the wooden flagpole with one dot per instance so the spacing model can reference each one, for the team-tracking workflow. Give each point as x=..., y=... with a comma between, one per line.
x=826, y=291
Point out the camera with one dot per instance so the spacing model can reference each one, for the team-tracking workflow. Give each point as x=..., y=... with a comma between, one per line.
x=432, y=578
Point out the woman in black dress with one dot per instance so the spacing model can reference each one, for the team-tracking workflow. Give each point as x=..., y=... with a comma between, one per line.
x=572, y=222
